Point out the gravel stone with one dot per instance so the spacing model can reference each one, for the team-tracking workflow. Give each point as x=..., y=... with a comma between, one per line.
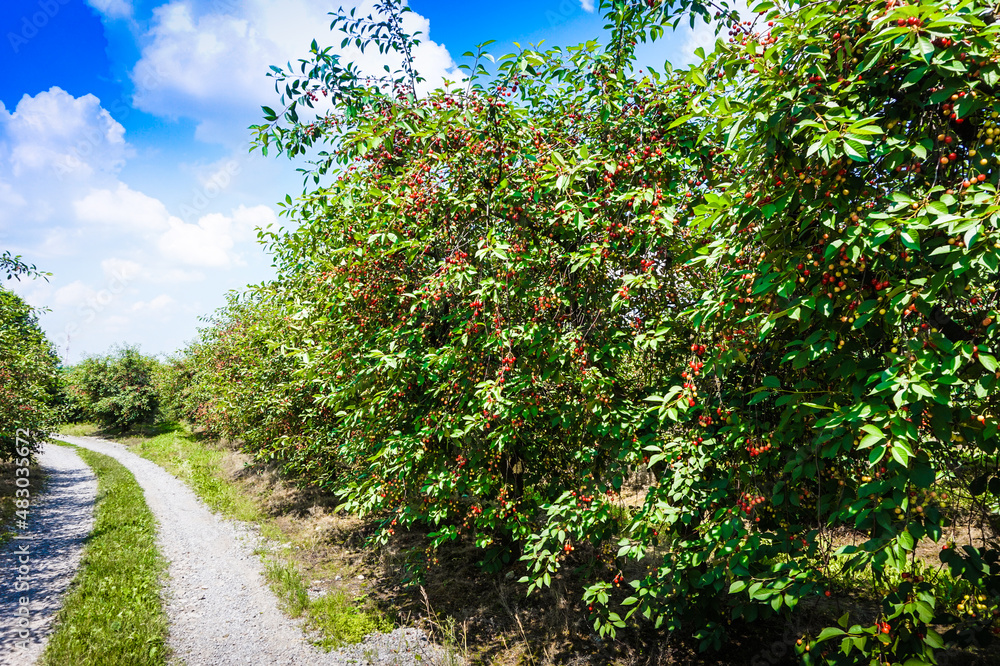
x=220, y=609
x=59, y=521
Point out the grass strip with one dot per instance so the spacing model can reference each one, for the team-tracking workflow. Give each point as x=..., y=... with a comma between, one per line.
x=112, y=613
x=80, y=429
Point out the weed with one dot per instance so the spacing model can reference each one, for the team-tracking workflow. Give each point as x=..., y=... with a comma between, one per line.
x=287, y=583
x=341, y=620
x=335, y=617
x=456, y=650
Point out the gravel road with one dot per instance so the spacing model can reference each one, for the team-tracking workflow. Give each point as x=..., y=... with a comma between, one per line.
x=218, y=603
x=58, y=522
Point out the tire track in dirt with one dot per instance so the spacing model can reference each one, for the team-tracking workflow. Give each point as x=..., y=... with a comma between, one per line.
x=59, y=521
x=219, y=606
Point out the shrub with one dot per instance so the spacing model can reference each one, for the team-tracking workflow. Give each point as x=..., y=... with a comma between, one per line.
x=118, y=389
x=28, y=377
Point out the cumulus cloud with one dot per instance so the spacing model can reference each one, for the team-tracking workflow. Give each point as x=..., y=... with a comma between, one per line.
x=210, y=63
x=74, y=294
x=121, y=269
x=63, y=135
x=210, y=242
x=160, y=304
x=115, y=323
x=122, y=207
x=587, y=5
x=59, y=242
x=122, y=258
x=10, y=202
x=113, y=9
x=250, y=218
x=53, y=148
x=175, y=275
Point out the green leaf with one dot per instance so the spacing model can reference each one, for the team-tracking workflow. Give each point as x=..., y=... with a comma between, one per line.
x=923, y=48
x=828, y=633
x=855, y=150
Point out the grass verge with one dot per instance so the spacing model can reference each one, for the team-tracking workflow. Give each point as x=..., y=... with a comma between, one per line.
x=334, y=619
x=80, y=429
x=112, y=613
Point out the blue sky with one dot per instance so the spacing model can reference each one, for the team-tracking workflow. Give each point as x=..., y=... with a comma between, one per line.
x=124, y=168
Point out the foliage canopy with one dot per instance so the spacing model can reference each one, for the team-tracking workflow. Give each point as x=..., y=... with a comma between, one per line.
x=768, y=279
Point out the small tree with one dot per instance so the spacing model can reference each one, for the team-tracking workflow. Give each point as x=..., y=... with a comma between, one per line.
x=28, y=365
x=118, y=388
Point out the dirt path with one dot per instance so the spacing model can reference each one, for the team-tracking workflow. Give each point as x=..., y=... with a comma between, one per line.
x=59, y=521
x=218, y=604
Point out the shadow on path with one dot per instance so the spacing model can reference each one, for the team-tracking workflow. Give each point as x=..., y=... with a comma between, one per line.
x=44, y=555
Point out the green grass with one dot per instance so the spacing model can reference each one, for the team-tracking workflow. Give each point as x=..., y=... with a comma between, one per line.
x=112, y=613
x=79, y=429
x=338, y=619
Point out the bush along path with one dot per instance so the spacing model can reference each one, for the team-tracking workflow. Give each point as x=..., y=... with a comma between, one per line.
x=219, y=607
x=39, y=568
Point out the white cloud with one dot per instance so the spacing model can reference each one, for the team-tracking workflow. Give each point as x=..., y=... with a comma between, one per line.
x=113, y=9
x=127, y=272
x=74, y=294
x=175, y=275
x=122, y=207
x=121, y=269
x=159, y=304
x=63, y=135
x=211, y=65
x=59, y=241
x=122, y=259
x=249, y=218
x=587, y=5
x=115, y=323
x=9, y=198
x=210, y=241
